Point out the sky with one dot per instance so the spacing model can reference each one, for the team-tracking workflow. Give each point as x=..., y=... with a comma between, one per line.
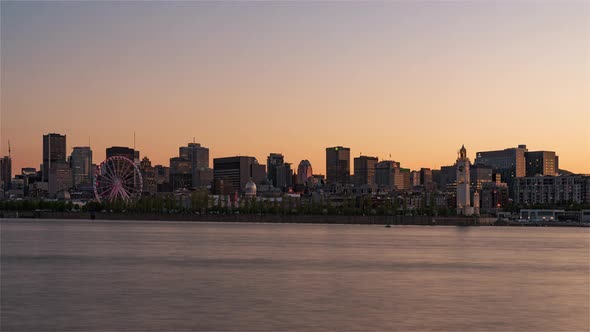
x=410, y=79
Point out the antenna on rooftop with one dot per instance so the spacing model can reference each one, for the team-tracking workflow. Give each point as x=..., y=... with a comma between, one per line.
x=9, y=148
x=134, y=140
x=193, y=140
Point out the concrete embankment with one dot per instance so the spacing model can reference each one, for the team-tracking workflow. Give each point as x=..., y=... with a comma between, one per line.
x=261, y=218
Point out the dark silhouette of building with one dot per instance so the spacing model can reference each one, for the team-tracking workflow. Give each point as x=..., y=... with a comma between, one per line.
x=54, y=151
x=338, y=165
x=121, y=151
x=180, y=173
x=237, y=171
x=364, y=170
x=304, y=172
x=426, y=179
x=81, y=165
x=5, y=173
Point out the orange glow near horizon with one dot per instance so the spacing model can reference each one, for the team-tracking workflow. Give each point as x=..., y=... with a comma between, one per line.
x=256, y=78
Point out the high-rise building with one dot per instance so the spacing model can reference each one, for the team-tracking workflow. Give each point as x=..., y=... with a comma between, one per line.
x=5, y=173
x=338, y=165
x=364, y=170
x=415, y=178
x=121, y=151
x=148, y=174
x=510, y=163
x=237, y=171
x=426, y=179
x=273, y=161
x=54, y=151
x=198, y=156
x=541, y=163
x=385, y=172
x=162, y=174
x=304, y=172
x=480, y=174
x=195, y=153
x=60, y=177
x=463, y=192
x=81, y=165
x=180, y=173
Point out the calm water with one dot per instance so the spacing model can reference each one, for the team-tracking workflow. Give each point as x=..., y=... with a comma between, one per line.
x=85, y=276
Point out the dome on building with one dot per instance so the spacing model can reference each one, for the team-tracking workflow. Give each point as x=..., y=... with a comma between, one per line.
x=250, y=188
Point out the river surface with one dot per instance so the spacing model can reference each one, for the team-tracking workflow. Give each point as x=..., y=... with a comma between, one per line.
x=173, y=276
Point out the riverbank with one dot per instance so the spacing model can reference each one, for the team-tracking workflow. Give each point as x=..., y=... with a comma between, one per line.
x=279, y=218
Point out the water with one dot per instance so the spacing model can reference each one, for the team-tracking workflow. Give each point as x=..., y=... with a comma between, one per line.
x=140, y=276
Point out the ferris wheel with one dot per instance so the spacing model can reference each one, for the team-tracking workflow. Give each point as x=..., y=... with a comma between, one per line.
x=117, y=178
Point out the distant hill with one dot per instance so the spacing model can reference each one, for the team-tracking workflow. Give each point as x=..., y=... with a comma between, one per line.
x=564, y=172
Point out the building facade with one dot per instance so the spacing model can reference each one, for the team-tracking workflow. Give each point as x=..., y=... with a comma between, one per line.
x=543, y=163
x=237, y=171
x=304, y=172
x=364, y=170
x=338, y=165
x=121, y=151
x=463, y=179
x=553, y=190
x=54, y=151
x=81, y=165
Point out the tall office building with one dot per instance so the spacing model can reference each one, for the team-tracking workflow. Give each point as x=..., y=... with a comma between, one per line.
x=195, y=153
x=198, y=156
x=5, y=173
x=510, y=163
x=235, y=172
x=426, y=179
x=60, y=178
x=54, y=151
x=338, y=165
x=81, y=165
x=180, y=173
x=148, y=174
x=479, y=174
x=304, y=172
x=385, y=173
x=273, y=161
x=121, y=151
x=541, y=163
x=364, y=170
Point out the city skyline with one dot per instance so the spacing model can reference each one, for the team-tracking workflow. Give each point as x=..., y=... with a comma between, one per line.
x=289, y=78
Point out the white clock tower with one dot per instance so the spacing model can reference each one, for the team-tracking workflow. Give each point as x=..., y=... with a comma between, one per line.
x=463, y=194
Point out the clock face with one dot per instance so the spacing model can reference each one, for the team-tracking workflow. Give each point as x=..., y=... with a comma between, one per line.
x=461, y=168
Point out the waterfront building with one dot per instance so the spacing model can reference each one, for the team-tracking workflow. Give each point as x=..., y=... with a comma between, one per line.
x=81, y=165
x=121, y=151
x=304, y=172
x=162, y=174
x=273, y=161
x=543, y=163
x=237, y=171
x=364, y=170
x=338, y=165
x=54, y=151
x=553, y=190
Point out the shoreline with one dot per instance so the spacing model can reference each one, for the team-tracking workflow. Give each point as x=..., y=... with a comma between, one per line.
x=286, y=219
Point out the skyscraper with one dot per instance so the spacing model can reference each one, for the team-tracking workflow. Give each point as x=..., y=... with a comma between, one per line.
x=5, y=173
x=198, y=156
x=81, y=165
x=54, y=151
x=426, y=178
x=180, y=173
x=338, y=165
x=364, y=170
x=273, y=161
